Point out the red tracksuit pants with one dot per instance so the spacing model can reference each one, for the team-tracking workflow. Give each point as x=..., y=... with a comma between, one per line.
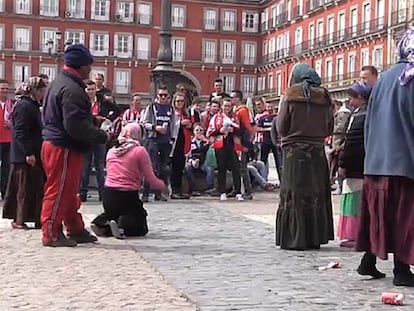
x=63, y=168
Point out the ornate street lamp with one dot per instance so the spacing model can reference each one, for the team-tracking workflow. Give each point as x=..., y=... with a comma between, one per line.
x=54, y=48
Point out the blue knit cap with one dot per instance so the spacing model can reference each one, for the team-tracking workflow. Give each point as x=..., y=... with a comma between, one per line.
x=77, y=55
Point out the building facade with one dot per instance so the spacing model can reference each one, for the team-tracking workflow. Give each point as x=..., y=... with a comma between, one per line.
x=252, y=44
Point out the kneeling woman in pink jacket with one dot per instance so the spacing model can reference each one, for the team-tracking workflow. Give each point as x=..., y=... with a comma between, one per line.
x=126, y=164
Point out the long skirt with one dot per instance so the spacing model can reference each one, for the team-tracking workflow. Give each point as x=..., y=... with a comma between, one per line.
x=23, y=200
x=304, y=217
x=349, y=209
x=387, y=217
x=126, y=209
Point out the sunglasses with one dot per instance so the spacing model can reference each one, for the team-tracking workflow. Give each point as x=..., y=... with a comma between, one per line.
x=179, y=100
x=162, y=95
x=199, y=130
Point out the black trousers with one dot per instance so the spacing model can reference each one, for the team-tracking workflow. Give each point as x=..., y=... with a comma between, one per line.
x=5, y=167
x=126, y=209
x=227, y=160
x=177, y=169
x=160, y=159
x=265, y=149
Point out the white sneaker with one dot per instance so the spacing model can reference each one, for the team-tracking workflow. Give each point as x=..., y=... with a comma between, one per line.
x=223, y=197
x=239, y=197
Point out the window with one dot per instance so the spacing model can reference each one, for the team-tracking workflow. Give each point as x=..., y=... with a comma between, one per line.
x=1, y=37
x=228, y=52
x=366, y=17
x=364, y=57
x=354, y=22
x=229, y=20
x=341, y=25
x=377, y=56
x=22, y=7
x=99, y=44
x=177, y=16
x=270, y=82
x=2, y=70
x=75, y=9
x=274, y=16
x=250, y=22
x=123, y=45
x=261, y=83
x=21, y=73
x=49, y=70
x=122, y=81
x=329, y=70
x=248, y=85
x=380, y=13
x=2, y=10
x=144, y=13
x=249, y=53
x=311, y=35
x=177, y=46
x=125, y=11
x=318, y=67
x=46, y=35
x=285, y=44
x=340, y=68
x=210, y=19
x=143, y=47
x=75, y=36
x=100, y=10
x=228, y=83
x=298, y=40
x=209, y=51
x=49, y=7
x=22, y=39
x=351, y=63
x=278, y=83
x=320, y=31
x=331, y=29
x=265, y=20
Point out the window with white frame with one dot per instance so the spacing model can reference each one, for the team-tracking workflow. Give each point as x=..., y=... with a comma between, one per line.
x=99, y=44
x=364, y=57
x=75, y=36
x=249, y=53
x=2, y=5
x=265, y=48
x=23, y=6
x=122, y=81
x=250, y=22
x=229, y=20
x=228, y=49
x=47, y=35
x=75, y=9
x=22, y=38
x=177, y=46
x=311, y=35
x=2, y=70
x=278, y=83
x=143, y=44
x=248, y=85
x=100, y=10
x=125, y=11
x=123, y=45
x=265, y=20
x=270, y=81
x=377, y=57
x=210, y=19
x=318, y=67
x=144, y=13
x=340, y=68
x=178, y=16
x=209, y=51
x=1, y=37
x=21, y=72
x=49, y=70
x=261, y=83
x=228, y=83
x=329, y=70
x=274, y=16
x=351, y=63
x=49, y=7
x=320, y=31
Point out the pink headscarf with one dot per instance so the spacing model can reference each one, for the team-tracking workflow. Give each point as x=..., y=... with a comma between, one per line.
x=128, y=139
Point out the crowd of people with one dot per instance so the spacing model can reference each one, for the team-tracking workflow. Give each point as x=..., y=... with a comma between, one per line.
x=365, y=147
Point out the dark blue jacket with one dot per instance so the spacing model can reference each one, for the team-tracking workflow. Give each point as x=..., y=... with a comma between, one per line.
x=26, y=130
x=67, y=118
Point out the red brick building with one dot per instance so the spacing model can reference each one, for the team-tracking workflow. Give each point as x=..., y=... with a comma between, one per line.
x=252, y=44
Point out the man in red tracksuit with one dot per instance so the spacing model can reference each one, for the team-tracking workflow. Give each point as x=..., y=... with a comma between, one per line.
x=68, y=132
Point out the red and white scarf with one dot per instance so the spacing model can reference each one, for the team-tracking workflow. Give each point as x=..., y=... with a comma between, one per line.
x=131, y=115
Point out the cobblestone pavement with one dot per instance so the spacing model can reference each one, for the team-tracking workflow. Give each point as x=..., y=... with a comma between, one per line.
x=219, y=255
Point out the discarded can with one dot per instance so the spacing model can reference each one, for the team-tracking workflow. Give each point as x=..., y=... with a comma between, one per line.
x=391, y=298
x=331, y=265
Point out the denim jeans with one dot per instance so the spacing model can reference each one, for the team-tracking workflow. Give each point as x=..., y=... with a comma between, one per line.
x=98, y=154
x=258, y=170
x=189, y=174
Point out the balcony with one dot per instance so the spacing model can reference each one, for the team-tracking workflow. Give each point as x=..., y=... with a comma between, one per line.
x=297, y=12
x=316, y=5
x=269, y=92
x=340, y=81
x=400, y=17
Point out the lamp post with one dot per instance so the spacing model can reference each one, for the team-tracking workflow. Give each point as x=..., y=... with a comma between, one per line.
x=54, y=48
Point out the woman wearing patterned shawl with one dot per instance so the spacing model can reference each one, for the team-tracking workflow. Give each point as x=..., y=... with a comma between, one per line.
x=23, y=200
x=387, y=203
x=304, y=217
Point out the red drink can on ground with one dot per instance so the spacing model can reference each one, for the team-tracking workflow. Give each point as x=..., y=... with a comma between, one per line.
x=392, y=298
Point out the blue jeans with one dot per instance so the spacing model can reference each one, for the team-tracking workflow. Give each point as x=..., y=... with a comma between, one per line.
x=258, y=171
x=99, y=154
x=189, y=174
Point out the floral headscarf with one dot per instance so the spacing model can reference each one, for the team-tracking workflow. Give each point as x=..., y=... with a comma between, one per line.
x=30, y=87
x=405, y=51
x=128, y=139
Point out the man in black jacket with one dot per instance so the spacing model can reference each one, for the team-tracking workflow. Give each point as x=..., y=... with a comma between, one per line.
x=68, y=132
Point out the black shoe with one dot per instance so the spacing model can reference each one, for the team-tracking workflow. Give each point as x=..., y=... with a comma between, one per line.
x=83, y=197
x=160, y=197
x=100, y=198
x=367, y=267
x=248, y=196
x=62, y=241
x=83, y=237
x=402, y=274
x=116, y=231
x=101, y=232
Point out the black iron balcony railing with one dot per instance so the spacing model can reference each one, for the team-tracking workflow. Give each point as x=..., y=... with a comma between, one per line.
x=297, y=12
x=270, y=92
x=341, y=79
x=400, y=17
x=315, y=5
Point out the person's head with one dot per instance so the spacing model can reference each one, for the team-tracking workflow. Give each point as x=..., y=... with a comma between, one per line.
x=236, y=97
x=34, y=87
x=78, y=57
x=405, y=51
x=359, y=94
x=198, y=130
x=270, y=107
x=214, y=107
x=260, y=104
x=304, y=73
x=336, y=105
x=197, y=103
x=109, y=97
x=181, y=88
x=369, y=75
x=226, y=106
x=178, y=101
x=4, y=89
x=162, y=94
x=99, y=80
x=44, y=77
x=131, y=131
x=136, y=102
x=91, y=89
x=218, y=85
